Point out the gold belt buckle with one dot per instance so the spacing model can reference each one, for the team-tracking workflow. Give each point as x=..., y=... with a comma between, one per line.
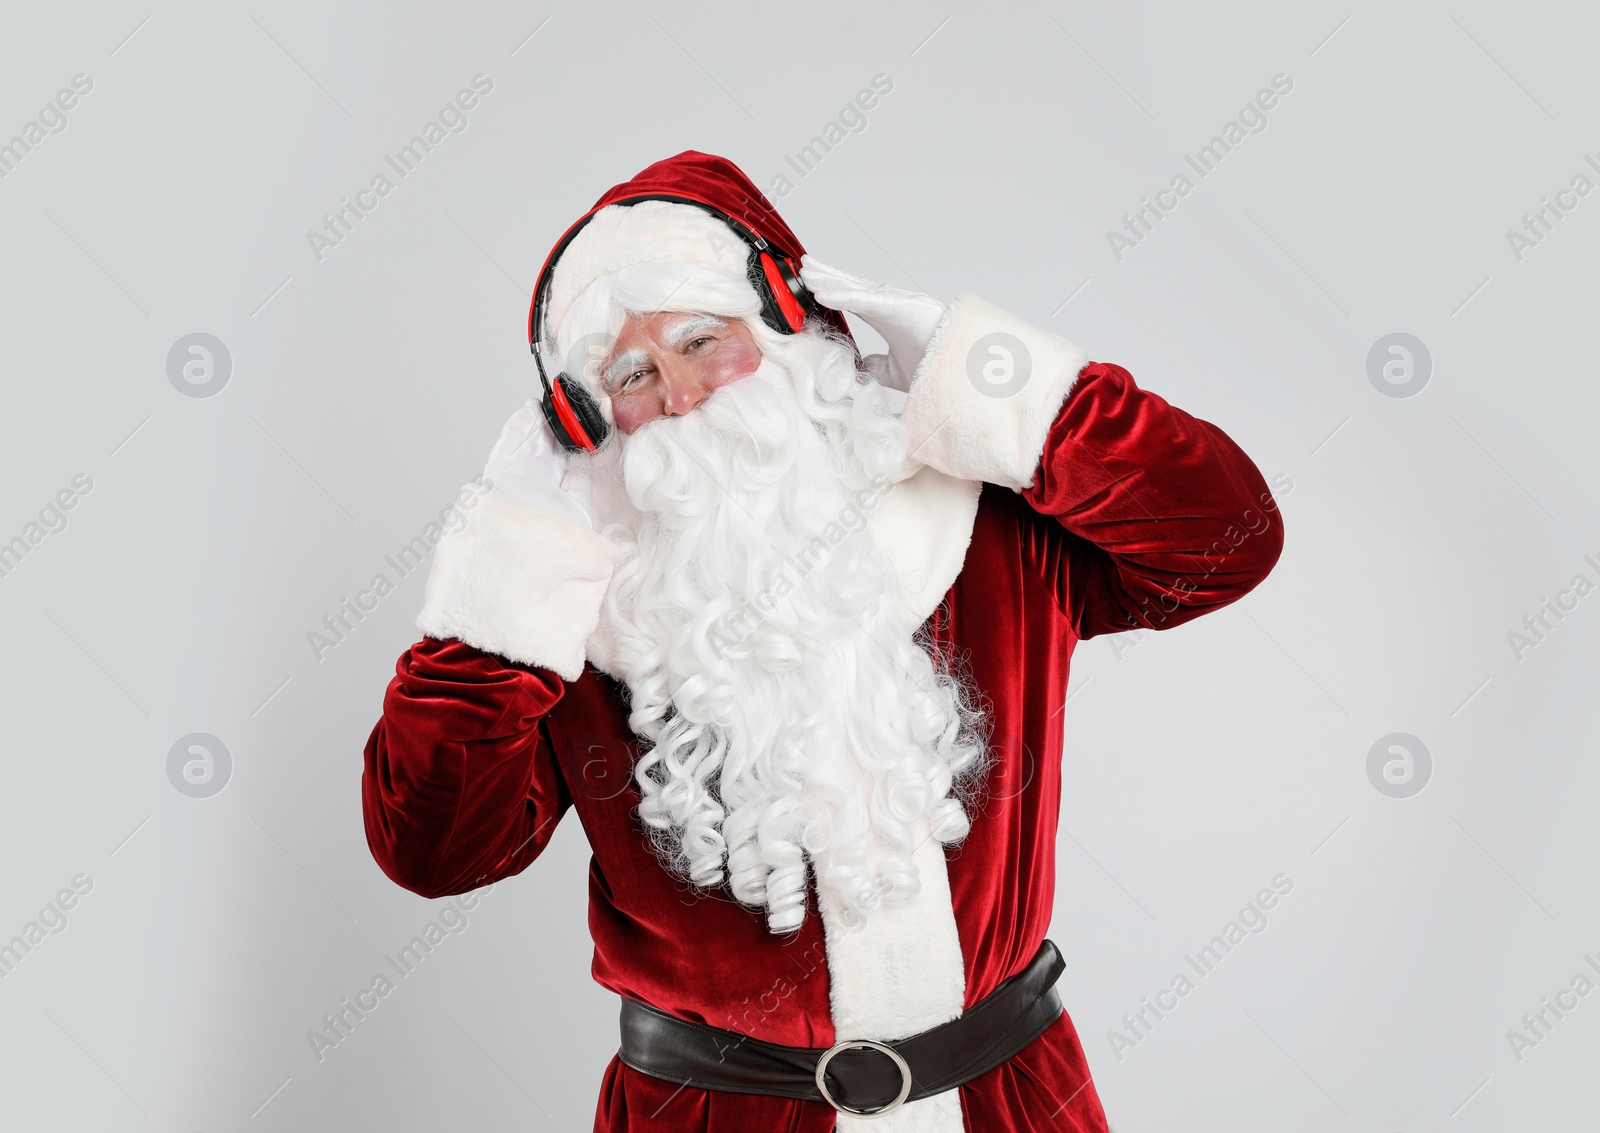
x=864, y=1044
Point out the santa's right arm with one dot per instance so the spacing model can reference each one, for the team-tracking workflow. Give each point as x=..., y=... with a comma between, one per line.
x=1154, y=516
x=460, y=787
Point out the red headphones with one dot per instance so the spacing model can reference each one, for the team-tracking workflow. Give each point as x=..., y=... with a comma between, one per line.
x=570, y=408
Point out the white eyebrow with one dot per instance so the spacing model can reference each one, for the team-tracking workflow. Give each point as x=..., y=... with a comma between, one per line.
x=692, y=324
x=631, y=360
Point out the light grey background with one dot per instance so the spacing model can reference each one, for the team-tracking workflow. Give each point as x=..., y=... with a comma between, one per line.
x=368, y=386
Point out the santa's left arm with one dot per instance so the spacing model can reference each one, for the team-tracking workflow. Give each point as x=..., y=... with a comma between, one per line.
x=1161, y=516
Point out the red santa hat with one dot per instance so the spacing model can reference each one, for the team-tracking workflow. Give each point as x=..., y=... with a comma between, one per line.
x=635, y=223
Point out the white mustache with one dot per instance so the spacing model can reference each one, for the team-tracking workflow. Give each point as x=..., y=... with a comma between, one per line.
x=745, y=436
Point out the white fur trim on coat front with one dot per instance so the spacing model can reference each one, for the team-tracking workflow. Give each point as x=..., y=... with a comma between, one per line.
x=986, y=393
x=980, y=409
x=896, y=973
x=923, y=525
x=519, y=583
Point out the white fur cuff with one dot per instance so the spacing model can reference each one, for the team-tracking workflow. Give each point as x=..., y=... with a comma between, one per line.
x=986, y=393
x=521, y=584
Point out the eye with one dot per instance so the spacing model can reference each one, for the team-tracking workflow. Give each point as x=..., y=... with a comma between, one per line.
x=694, y=343
x=632, y=379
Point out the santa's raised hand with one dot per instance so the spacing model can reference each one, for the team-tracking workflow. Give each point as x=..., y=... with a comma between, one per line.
x=905, y=320
x=528, y=468
x=524, y=578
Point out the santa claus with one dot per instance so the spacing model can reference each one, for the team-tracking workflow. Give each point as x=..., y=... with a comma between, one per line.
x=790, y=630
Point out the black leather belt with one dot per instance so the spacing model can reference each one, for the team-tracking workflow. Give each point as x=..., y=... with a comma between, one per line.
x=856, y=1076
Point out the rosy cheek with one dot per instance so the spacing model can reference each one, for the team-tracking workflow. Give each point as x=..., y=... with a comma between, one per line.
x=633, y=413
x=735, y=360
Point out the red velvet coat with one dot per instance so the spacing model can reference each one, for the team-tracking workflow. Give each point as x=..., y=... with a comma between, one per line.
x=1140, y=516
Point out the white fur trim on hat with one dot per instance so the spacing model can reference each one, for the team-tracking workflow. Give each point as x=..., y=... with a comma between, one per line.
x=620, y=236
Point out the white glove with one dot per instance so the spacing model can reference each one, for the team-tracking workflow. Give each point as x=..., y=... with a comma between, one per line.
x=528, y=467
x=905, y=319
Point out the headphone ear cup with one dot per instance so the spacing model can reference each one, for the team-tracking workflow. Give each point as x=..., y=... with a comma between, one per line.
x=804, y=300
x=558, y=428
x=784, y=298
x=574, y=416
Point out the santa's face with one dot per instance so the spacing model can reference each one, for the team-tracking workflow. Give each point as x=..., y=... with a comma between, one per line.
x=666, y=363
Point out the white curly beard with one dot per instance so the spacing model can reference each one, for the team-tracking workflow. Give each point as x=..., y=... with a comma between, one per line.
x=788, y=715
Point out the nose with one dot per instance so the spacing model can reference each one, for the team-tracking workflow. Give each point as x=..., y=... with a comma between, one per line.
x=681, y=387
